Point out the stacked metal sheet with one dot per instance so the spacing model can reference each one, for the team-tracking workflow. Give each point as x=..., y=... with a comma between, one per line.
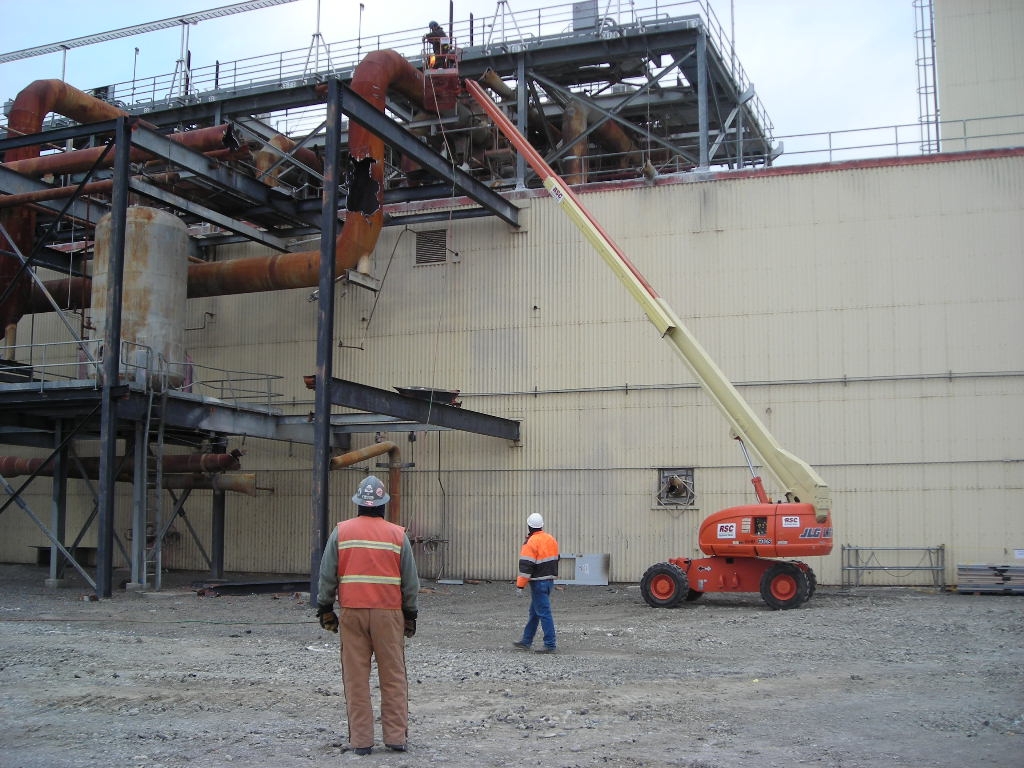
x=991, y=579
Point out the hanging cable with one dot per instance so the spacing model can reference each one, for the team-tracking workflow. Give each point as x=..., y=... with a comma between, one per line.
x=376, y=298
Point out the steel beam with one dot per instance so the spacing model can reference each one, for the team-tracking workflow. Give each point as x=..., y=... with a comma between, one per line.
x=57, y=136
x=224, y=177
x=206, y=214
x=373, y=400
x=357, y=109
x=86, y=211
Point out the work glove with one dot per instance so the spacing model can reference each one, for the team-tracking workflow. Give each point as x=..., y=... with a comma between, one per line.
x=328, y=618
x=410, y=622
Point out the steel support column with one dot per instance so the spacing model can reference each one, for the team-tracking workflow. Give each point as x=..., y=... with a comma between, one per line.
x=218, y=509
x=320, y=497
x=112, y=360
x=58, y=504
x=703, y=106
x=139, y=500
x=522, y=105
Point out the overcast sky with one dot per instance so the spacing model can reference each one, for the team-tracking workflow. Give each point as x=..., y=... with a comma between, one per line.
x=817, y=65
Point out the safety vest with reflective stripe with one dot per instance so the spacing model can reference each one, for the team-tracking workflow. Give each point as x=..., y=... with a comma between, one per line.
x=538, y=559
x=369, y=563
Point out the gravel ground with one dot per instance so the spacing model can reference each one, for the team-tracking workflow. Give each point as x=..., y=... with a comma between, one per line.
x=855, y=678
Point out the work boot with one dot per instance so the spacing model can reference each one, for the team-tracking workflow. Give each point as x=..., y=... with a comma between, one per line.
x=520, y=645
x=363, y=750
x=396, y=747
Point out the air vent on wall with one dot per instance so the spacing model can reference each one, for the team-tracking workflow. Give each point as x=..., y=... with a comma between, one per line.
x=675, y=487
x=432, y=247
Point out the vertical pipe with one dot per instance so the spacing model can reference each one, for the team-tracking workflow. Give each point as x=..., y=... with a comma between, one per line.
x=138, y=547
x=325, y=340
x=58, y=500
x=217, y=511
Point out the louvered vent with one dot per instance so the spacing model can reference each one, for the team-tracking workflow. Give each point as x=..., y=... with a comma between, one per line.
x=675, y=487
x=432, y=247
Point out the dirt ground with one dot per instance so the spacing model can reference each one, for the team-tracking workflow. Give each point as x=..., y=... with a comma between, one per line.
x=863, y=677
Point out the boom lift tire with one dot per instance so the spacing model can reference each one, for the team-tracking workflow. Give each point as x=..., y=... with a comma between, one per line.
x=784, y=586
x=664, y=585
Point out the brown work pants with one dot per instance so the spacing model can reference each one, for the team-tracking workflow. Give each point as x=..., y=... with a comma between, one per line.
x=379, y=633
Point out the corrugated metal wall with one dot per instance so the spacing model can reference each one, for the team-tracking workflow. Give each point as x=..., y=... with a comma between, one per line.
x=871, y=316
x=980, y=65
x=849, y=302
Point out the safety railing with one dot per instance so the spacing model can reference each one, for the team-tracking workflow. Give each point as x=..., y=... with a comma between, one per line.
x=897, y=562
x=538, y=27
x=232, y=387
x=142, y=368
x=508, y=28
x=900, y=140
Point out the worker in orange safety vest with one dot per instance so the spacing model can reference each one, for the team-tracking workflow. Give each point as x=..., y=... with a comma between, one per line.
x=368, y=563
x=538, y=567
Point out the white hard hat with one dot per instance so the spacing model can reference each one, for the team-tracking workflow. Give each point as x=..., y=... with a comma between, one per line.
x=535, y=521
x=371, y=493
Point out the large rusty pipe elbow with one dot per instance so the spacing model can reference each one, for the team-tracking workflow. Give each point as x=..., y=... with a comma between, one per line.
x=28, y=110
x=378, y=72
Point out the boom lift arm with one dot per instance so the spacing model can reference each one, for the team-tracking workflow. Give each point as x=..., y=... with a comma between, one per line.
x=798, y=479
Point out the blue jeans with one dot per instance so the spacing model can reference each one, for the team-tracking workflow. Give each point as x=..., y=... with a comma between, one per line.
x=540, y=613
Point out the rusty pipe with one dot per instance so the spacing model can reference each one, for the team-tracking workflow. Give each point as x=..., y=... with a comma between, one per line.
x=574, y=123
x=239, y=482
x=26, y=116
x=492, y=80
x=394, y=513
x=14, y=466
x=95, y=187
x=77, y=160
x=609, y=134
x=265, y=159
x=534, y=117
x=38, y=99
x=30, y=107
x=378, y=72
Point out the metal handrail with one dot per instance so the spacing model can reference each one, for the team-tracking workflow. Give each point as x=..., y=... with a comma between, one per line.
x=545, y=26
x=901, y=140
x=531, y=27
x=144, y=368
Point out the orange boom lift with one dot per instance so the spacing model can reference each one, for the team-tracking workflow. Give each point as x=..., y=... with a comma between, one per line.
x=740, y=541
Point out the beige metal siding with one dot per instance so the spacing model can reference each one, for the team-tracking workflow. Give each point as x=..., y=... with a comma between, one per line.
x=980, y=76
x=871, y=316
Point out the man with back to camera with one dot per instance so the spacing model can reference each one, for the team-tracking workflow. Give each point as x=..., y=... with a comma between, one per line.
x=538, y=567
x=368, y=562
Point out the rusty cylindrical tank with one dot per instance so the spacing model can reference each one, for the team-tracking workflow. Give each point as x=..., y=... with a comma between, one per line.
x=154, y=294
